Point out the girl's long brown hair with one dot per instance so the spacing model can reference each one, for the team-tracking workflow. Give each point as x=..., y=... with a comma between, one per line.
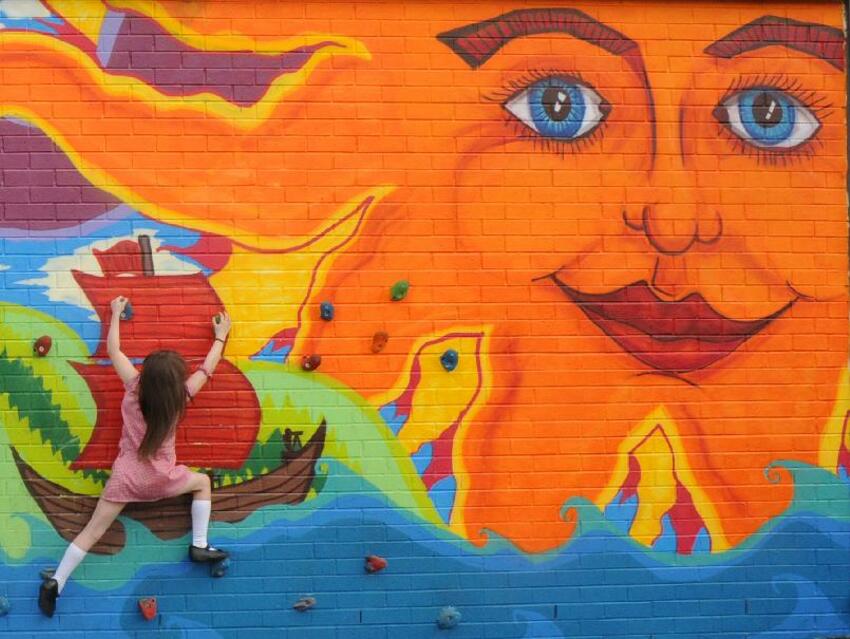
x=162, y=397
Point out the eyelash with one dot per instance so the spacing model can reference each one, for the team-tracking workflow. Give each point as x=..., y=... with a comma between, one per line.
x=522, y=132
x=818, y=105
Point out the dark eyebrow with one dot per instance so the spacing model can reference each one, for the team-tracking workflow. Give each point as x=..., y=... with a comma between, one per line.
x=477, y=43
x=814, y=39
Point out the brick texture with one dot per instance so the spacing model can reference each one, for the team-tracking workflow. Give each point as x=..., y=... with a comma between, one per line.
x=544, y=303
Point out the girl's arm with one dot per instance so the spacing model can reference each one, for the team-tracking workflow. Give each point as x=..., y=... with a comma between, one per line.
x=221, y=326
x=125, y=369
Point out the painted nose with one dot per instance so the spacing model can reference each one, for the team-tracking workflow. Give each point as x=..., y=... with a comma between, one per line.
x=673, y=220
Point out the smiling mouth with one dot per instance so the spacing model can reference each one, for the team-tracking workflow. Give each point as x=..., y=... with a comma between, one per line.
x=670, y=336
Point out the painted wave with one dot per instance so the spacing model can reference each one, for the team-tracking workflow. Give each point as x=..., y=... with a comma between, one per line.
x=789, y=581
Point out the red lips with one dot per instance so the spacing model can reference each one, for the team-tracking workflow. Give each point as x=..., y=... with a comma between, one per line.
x=670, y=336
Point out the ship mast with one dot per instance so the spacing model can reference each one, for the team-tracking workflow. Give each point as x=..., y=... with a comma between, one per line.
x=147, y=255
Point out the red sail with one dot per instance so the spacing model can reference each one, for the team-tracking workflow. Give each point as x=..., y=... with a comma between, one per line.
x=218, y=430
x=169, y=311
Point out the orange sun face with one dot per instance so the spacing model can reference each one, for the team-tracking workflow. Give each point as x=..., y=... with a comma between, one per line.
x=641, y=216
x=640, y=228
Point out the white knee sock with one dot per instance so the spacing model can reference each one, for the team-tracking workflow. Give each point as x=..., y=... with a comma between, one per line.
x=200, y=521
x=70, y=560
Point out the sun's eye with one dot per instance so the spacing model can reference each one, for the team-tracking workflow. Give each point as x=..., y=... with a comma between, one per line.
x=560, y=108
x=767, y=118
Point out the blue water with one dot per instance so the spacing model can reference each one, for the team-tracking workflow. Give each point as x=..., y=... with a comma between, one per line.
x=792, y=581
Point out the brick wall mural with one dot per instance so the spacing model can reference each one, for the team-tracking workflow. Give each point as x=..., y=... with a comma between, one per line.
x=545, y=304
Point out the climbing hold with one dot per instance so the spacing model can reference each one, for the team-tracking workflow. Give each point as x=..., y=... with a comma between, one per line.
x=219, y=568
x=42, y=346
x=399, y=290
x=5, y=606
x=147, y=606
x=449, y=359
x=311, y=362
x=304, y=604
x=375, y=563
x=47, y=573
x=449, y=618
x=379, y=340
x=127, y=313
x=326, y=310
x=217, y=318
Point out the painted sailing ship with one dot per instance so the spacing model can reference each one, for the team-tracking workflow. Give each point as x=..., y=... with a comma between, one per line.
x=221, y=424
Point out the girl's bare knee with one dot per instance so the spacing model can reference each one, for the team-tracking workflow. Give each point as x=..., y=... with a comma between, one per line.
x=202, y=486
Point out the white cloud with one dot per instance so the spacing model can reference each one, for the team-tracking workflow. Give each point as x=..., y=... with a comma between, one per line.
x=23, y=9
x=62, y=287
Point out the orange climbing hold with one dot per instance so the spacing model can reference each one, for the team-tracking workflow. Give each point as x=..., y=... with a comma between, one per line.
x=147, y=606
x=379, y=340
x=375, y=563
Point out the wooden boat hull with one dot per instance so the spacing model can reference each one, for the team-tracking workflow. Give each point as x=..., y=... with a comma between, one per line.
x=69, y=512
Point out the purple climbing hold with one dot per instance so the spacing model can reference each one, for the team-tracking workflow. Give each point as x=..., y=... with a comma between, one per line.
x=304, y=604
x=311, y=362
x=326, y=310
x=5, y=606
x=449, y=618
x=127, y=313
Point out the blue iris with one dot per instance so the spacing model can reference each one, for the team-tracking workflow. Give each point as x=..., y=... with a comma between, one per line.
x=768, y=117
x=557, y=108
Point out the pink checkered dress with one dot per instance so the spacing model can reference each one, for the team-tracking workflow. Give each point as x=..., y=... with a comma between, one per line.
x=137, y=479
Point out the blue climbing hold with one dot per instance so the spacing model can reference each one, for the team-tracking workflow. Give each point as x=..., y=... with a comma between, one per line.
x=449, y=359
x=219, y=568
x=5, y=606
x=327, y=311
x=449, y=618
x=127, y=313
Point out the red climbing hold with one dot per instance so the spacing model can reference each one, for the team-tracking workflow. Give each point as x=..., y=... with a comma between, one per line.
x=375, y=563
x=147, y=605
x=42, y=346
x=311, y=362
x=379, y=340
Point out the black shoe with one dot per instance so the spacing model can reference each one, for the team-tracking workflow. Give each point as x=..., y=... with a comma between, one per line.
x=207, y=554
x=47, y=596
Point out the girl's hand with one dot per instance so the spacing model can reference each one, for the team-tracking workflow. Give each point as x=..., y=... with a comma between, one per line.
x=221, y=325
x=118, y=305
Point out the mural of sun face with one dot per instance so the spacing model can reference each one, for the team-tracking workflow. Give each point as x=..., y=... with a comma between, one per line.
x=646, y=221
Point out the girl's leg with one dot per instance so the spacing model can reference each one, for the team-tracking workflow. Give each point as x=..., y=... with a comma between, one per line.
x=200, y=550
x=104, y=514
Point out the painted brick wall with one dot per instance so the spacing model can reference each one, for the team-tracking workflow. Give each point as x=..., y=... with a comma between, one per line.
x=544, y=303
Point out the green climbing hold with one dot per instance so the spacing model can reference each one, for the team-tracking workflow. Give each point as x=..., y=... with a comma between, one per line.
x=399, y=290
